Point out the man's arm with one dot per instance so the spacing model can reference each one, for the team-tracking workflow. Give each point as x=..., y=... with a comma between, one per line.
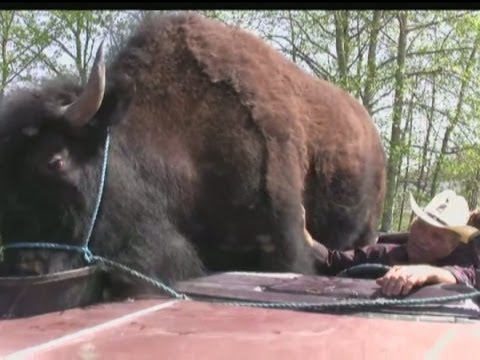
x=330, y=262
x=465, y=275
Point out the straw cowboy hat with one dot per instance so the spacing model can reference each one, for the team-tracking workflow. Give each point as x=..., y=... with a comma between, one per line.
x=449, y=211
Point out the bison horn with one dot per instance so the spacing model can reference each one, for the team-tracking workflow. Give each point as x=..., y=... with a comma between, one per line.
x=80, y=112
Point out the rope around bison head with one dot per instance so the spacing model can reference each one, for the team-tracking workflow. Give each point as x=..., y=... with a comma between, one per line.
x=90, y=258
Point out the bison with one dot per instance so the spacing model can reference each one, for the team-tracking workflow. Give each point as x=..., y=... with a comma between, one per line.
x=216, y=141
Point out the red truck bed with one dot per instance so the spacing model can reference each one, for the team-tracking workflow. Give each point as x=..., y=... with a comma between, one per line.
x=178, y=329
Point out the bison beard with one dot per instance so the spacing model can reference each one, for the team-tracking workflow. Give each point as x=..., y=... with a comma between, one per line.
x=216, y=141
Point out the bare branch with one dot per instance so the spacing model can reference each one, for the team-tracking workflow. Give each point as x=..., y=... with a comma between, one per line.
x=383, y=96
x=316, y=68
x=377, y=110
x=64, y=48
x=319, y=24
x=436, y=22
x=438, y=51
x=311, y=41
x=360, y=53
x=46, y=61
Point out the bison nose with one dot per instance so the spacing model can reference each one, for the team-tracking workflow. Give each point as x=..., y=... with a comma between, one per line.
x=56, y=163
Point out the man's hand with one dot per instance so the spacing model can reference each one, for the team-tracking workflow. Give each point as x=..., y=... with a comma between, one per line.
x=306, y=234
x=401, y=279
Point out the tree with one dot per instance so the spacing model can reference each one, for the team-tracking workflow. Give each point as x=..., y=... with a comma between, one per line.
x=465, y=79
x=22, y=42
x=368, y=92
x=75, y=37
x=395, y=144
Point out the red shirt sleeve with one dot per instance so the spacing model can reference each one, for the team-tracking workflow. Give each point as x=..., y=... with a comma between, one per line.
x=464, y=263
x=469, y=275
x=330, y=262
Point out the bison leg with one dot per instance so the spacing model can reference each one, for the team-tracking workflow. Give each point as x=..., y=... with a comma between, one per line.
x=169, y=258
x=285, y=248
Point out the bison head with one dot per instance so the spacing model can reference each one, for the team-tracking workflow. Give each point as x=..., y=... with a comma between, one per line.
x=51, y=150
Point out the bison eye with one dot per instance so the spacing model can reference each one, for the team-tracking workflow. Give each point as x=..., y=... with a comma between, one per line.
x=30, y=131
x=57, y=163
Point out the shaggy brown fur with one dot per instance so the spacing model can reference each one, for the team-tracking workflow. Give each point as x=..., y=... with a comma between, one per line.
x=309, y=121
x=317, y=131
x=217, y=139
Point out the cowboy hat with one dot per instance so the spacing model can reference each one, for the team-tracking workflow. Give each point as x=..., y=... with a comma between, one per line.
x=449, y=211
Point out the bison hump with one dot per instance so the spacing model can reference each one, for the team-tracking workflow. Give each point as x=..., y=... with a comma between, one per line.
x=260, y=75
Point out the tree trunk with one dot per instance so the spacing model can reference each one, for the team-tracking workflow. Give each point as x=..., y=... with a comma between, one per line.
x=292, y=36
x=471, y=190
x=395, y=140
x=342, y=43
x=474, y=190
x=421, y=182
x=76, y=29
x=407, y=130
x=456, y=117
x=421, y=176
x=6, y=21
x=371, y=61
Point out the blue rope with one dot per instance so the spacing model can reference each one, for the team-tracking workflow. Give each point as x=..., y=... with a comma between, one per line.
x=90, y=258
x=147, y=279
x=53, y=246
x=344, y=304
x=352, y=304
x=100, y=190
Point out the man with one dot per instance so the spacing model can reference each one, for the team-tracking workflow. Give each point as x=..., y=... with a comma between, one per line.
x=437, y=250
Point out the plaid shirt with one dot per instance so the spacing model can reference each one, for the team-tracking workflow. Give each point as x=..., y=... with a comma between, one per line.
x=463, y=262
